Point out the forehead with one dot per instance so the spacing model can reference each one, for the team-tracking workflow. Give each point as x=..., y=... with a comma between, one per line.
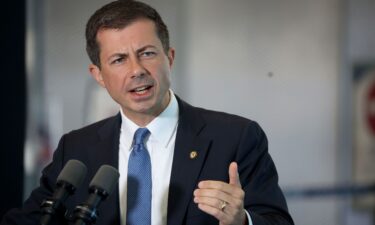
x=141, y=30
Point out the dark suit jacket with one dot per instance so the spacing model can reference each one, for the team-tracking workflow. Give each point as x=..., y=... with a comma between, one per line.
x=218, y=138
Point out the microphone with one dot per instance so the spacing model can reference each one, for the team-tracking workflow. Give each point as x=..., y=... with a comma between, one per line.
x=100, y=187
x=70, y=177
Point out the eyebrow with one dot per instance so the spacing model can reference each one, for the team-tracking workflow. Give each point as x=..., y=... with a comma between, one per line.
x=122, y=55
x=144, y=48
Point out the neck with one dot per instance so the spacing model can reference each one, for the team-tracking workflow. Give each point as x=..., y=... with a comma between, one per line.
x=142, y=120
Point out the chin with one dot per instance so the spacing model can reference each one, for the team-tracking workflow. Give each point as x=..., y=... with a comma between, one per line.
x=144, y=108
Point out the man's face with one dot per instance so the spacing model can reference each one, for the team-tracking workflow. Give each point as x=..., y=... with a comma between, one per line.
x=135, y=70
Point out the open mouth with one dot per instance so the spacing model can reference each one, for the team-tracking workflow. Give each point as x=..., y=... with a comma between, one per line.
x=141, y=90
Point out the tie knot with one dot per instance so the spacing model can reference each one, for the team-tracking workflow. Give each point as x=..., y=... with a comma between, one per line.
x=140, y=135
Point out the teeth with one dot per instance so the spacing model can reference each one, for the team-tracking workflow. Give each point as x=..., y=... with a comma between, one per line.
x=140, y=89
x=141, y=92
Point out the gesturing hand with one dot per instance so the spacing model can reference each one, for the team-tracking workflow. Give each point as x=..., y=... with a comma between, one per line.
x=222, y=200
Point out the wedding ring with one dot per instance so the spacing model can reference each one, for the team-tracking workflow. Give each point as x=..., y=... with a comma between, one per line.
x=223, y=205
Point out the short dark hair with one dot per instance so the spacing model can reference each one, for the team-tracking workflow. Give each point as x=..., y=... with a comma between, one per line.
x=117, y=15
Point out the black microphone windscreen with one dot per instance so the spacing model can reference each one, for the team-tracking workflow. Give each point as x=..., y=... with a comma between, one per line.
x=106, y=178
x=73, y=173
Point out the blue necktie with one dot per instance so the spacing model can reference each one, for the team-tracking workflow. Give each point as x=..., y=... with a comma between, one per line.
x=138, y=210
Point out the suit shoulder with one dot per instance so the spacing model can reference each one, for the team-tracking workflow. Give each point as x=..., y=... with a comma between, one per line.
x=217, y=116
x=94, y=128
x=225, y=119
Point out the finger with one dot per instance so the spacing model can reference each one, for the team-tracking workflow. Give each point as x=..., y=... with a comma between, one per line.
x=235, y=199
x=213, y=184
x=213, y=202
x=212, y=193
x=219, y=187
x=234, y=178
x=225, y=192
x=214, y=198
x=218, y=214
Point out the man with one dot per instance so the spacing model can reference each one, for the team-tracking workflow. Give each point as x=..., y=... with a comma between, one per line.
x=204, y=167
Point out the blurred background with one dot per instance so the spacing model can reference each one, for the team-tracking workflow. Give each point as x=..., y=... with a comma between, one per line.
x=303, y=69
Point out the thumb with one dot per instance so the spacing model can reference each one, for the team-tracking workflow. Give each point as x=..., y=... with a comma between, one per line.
x=234, y=178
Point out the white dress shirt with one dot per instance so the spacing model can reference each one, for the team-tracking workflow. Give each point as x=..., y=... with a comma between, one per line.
x=160, y=145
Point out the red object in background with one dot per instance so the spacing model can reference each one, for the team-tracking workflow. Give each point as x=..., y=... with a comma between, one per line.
x=45, y=152
x=370, y=108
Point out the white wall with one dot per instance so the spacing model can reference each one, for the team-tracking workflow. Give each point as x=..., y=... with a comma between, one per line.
x=276, y=62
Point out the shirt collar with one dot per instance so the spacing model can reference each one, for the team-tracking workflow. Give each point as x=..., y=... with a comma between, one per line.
x=161, y=128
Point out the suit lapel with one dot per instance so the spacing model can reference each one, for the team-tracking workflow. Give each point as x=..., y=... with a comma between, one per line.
x=108, y=145
x=106, y=152
x=189, y=156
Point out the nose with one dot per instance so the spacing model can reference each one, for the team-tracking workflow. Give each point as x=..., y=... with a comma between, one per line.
x=137, y=69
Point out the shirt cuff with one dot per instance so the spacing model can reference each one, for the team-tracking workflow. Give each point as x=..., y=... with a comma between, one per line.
x=250, y=222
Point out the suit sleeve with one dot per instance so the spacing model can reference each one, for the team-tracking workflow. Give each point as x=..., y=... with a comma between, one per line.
x=29, y=213
x=264, y=199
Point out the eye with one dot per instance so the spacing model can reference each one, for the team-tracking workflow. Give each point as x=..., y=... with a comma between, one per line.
x=148, y=54
x=118, y=60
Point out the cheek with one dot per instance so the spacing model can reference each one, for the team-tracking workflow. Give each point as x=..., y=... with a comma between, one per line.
x=164, y=81
x=113, y=84
x=164, y=76
x=115, y=77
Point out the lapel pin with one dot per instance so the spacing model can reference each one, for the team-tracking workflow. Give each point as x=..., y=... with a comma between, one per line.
x=193, y=154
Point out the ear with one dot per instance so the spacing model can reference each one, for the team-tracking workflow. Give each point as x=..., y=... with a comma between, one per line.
x=96, y=74
x=171, y=56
